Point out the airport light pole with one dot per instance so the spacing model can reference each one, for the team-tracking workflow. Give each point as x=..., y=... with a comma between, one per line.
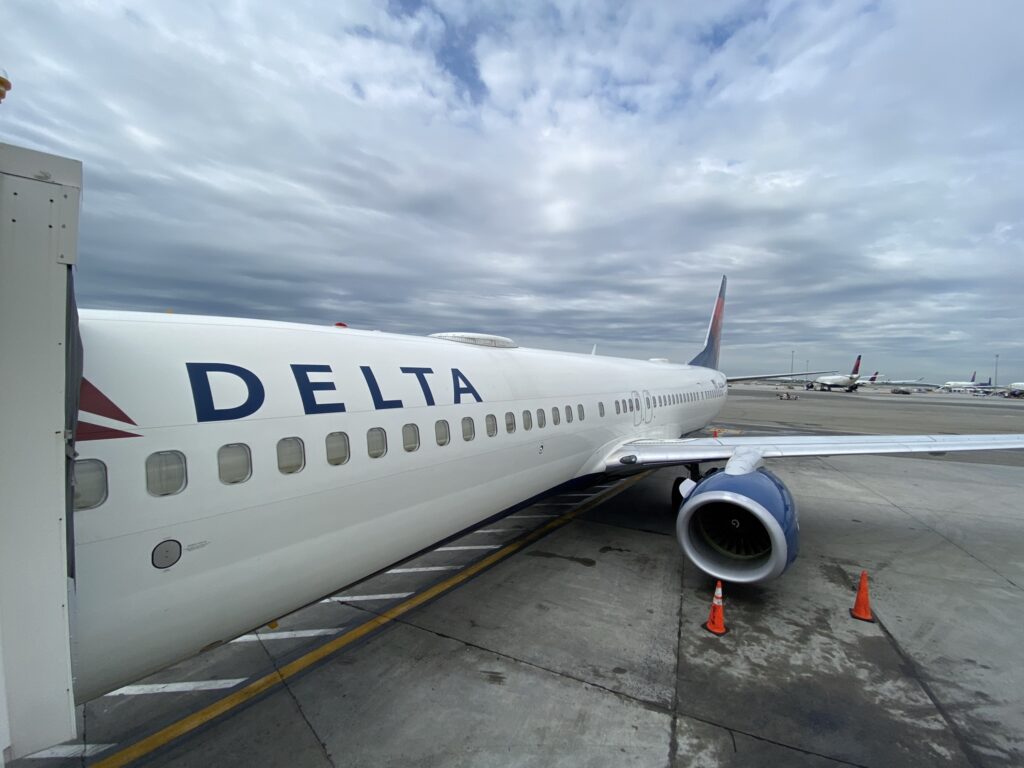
x=995, y=379
x=791, y=361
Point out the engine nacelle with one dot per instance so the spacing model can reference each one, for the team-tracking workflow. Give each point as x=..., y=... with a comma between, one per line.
x=740, y=527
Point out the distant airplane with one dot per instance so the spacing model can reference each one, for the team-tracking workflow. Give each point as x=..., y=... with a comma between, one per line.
x=848, y=382
x=231, y=471
x=886, y=382
x=954, y=386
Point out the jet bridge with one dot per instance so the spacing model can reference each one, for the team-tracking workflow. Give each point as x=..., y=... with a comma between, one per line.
x=40, y=366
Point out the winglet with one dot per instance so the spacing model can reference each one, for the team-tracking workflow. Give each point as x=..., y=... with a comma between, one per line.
x=708, y=357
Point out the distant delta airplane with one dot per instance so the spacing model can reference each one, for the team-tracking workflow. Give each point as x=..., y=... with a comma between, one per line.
x=884, y=382
x=232, y=471
x=849, y=381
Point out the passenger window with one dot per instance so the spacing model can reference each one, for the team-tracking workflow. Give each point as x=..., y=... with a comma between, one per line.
x=234, y=463
x=492, y=425
x=618, y=410
x=338, y=452
x=600, y=410
x=441, y=432
x=90, y=483
x=291, y=455
x=468, y=428
x=527, y=421
x=648, y=401
x=411, y=438
x=556, y=416
x=165, y=473
x=630, y=406
x=510, y=422
x=541, y=418
x=568, y=414
x=376, y=442
x=579, y=411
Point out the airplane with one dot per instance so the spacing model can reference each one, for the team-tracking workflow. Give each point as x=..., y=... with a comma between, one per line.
x=957, y=386
x=849, y=382
x=232, y=471
x=884, y=382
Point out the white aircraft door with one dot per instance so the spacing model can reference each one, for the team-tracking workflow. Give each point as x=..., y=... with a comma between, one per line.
x=645, y=403
x=637, y=413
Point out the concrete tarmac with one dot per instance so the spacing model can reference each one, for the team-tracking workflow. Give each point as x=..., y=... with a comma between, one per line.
x=586, y=647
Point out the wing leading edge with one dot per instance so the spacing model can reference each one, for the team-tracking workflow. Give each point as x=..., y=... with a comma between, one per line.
x=663, y=453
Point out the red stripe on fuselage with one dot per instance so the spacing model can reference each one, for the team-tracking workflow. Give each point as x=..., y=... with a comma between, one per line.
x=94, y=401
x=87, y=431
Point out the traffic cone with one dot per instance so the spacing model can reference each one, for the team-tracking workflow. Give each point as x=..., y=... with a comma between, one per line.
x=716, y=619
x=862, y=607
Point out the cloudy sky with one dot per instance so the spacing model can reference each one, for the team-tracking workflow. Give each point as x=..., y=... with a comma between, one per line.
x=562, y=173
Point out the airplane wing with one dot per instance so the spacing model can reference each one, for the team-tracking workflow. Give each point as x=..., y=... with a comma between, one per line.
x=776, y=375
x=663, y=453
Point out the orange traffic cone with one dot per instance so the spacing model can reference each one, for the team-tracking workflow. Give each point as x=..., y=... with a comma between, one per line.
x=716, y=619
x=862, y=607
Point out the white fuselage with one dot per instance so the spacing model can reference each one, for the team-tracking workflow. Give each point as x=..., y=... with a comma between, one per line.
x=838, y=380
x=255, y=550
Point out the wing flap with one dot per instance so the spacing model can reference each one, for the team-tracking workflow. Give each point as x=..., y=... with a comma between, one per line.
x=647, y=453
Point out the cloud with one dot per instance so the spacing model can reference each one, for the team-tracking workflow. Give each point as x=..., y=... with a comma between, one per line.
x=564, y=173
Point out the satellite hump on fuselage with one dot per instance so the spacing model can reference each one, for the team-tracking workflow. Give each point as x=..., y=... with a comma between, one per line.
x=708, y=357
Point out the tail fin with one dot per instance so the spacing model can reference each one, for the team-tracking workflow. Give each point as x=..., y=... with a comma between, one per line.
x=873, y=377
x=973, y=374
x=856, y=367
x=708, y=357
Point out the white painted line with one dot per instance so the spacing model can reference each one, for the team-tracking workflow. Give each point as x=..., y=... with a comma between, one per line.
x=500, y=530
x=288, y=635
x=479, y=546
x=427, y=569
x=195, y=685
x=527, y=517
x=358, y=598
x=69, y=750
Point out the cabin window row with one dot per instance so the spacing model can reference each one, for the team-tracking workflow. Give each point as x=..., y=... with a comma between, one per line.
x=167, y=472
x=630, y=405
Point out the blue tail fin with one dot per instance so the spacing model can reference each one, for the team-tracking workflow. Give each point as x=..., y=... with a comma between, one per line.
x=708, y=357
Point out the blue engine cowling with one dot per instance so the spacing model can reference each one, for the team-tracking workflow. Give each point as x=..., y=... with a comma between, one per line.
x=740, y=528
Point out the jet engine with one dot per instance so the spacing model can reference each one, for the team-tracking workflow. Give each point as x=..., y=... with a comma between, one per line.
x=740, y=526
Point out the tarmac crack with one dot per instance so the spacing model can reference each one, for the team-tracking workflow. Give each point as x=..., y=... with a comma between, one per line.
x=809, y=752
x=298, y=705
x=921, y=522
x=918, y=676
x=673, y=742
x=652, y=706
